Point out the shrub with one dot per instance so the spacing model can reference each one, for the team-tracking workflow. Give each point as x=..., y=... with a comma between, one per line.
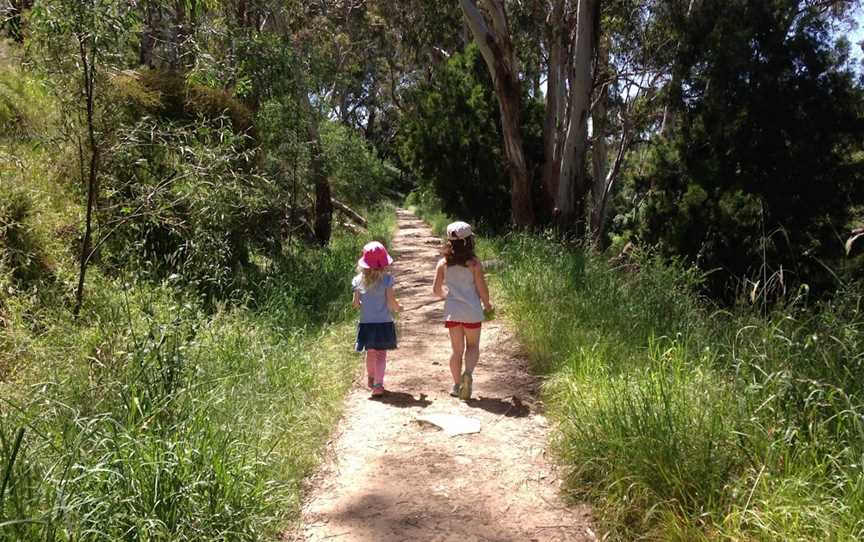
x=168, y=95
x=24, y=110
x=357, y=173
x=22, y=250
x=180, y=201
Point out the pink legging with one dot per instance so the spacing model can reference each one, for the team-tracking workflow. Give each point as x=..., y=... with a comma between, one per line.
x=376, y=363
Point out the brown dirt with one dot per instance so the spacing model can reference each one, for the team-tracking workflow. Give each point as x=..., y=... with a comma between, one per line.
x=389, y=478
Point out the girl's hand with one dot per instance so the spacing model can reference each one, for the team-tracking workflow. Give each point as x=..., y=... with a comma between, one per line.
x=489, y=312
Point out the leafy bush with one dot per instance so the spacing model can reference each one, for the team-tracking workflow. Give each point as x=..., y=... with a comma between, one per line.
x=357, y=174
x=169, y=96
x=24, y=111
x=180, y=201
x=764, y=169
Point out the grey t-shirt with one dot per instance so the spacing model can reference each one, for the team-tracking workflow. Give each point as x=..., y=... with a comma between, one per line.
x=373, y=302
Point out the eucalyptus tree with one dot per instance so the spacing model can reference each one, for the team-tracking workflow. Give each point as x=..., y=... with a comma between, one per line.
x=571, y=42
x=78, y=42
x=631, y=72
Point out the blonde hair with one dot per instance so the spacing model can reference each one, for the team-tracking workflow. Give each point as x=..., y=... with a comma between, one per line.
x=370, y=277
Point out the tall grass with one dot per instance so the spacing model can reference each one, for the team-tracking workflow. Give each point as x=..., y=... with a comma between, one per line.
x=151, y=418
x=680, y=422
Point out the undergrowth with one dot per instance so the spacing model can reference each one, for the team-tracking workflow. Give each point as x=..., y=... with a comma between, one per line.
x=160, y=413
x=425, y=205
x=680, y=422
x=169, y=409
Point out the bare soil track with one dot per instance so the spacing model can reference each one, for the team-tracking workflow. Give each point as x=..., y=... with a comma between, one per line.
x=388, y=478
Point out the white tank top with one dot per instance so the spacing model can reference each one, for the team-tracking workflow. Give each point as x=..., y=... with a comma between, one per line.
x=462, y=303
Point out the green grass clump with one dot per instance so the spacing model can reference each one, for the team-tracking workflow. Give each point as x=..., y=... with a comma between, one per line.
x=680, y=422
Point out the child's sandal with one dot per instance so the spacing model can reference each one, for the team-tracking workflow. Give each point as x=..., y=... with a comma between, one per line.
x=377, y=390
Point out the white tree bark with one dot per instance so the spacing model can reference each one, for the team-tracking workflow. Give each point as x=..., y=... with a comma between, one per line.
x=599, y=161
x=569, y=200
x=555, y=90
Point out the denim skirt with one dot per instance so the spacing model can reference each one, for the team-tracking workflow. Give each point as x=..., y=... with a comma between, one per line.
x=378, y=336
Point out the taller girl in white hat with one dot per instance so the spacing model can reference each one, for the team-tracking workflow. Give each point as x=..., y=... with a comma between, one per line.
x=466, y=297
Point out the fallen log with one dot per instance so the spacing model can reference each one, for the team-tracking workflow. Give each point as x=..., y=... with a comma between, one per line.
x=352, y=215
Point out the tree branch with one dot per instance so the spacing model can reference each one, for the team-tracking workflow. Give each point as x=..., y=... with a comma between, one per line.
x=482, y=34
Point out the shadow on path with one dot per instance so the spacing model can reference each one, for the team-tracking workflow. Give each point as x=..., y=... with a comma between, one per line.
x=402, y=400
x=514, y=408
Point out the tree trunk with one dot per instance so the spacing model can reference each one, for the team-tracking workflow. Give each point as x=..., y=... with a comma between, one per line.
x=600, y=163
x=554, y=99
x=323, y=226
x=89, y=79
x=520, y=183
x=572, y=183
x=497, y=50
x=147, y=43
x=180, y=34
x=352, y=215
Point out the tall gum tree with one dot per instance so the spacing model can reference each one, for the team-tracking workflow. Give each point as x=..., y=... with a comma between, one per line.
x=571, y=44
x=572, y=178
x=496, y=46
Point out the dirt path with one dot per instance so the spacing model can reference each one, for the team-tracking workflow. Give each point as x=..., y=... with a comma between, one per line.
x=390, y=478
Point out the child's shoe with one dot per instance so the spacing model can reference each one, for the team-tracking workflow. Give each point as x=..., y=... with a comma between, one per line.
x=455, y=391
x=465, y=387
x=377, y=390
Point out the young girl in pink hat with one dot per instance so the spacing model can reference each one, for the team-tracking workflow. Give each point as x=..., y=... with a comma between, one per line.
x=374, y=295
x=465, y=300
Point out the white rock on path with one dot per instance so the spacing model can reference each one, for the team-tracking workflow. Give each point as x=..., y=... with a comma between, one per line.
x=451, y=424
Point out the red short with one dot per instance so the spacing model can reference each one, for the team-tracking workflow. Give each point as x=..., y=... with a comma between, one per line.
x=467, y=325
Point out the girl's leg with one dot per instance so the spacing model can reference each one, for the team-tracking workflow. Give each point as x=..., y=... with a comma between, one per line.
x=371, y=357
x=380, y=366
x=472, y=349
x=457, y=342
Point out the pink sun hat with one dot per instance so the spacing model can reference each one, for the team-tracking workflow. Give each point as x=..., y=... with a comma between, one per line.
x=374, y=256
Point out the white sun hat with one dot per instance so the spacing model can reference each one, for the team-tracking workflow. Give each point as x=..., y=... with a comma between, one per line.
x=459, y=230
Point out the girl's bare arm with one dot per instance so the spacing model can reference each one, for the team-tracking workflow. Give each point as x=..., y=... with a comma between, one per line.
x=480, y=284
x=392, y=302
x=438, y=283
x=356, y=302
